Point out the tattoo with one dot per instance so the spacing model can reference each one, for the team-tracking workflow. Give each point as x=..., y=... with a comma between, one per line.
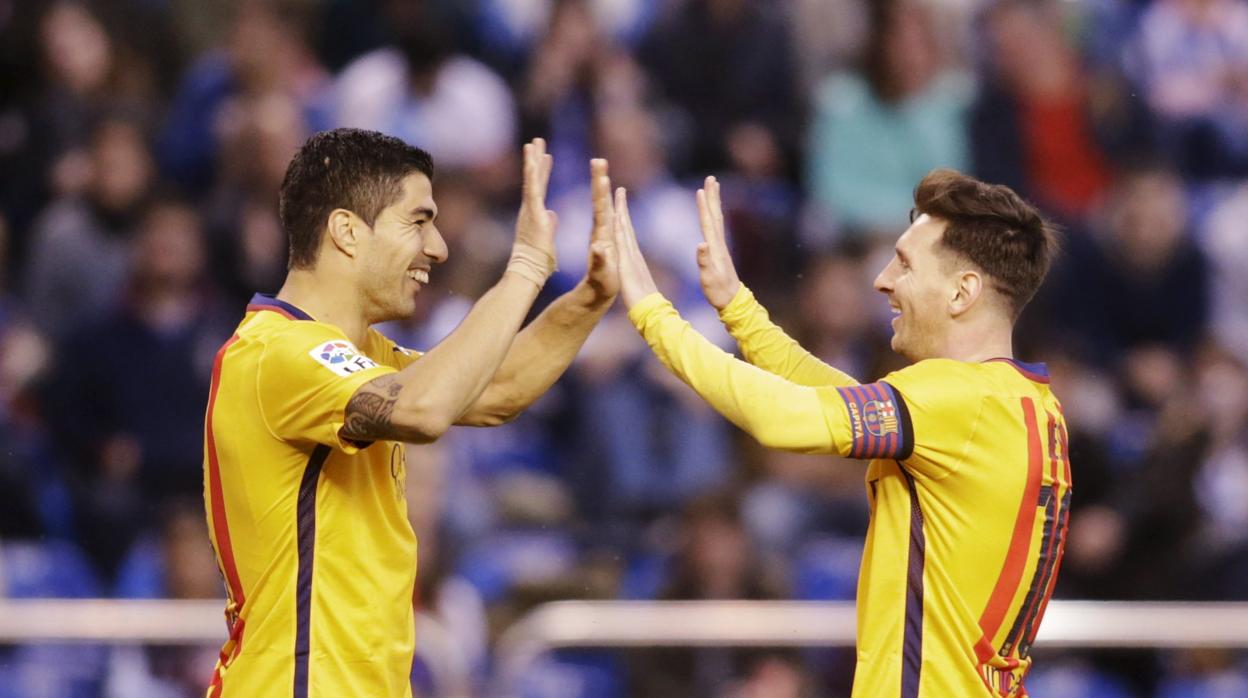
x=368, y=412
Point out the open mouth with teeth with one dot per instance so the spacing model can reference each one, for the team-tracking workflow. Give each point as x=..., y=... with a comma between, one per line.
x=420, y=276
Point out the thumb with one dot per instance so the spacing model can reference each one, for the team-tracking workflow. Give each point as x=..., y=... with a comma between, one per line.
x=704, y=254
x=598, y=255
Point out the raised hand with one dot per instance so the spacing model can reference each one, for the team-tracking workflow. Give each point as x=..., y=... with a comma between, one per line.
x=536, y=225
x=533, y=255
x=635, y=279
x=603, y=271
x=715, y=268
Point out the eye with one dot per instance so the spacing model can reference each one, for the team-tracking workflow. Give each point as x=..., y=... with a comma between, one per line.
x=914, y=213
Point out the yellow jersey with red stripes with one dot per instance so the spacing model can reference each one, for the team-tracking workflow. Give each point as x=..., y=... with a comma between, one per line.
x=969, y=484
x=310, y=530
x=970, y=487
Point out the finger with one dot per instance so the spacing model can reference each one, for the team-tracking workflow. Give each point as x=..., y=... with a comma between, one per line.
x=717, y=207
x=621, y=210
x=600, y=191
x=537, y=174
x=526, y=178
x=617, y=225
x=704, y=216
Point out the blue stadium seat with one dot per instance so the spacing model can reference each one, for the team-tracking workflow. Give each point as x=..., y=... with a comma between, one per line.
x=52, y=569
x=1075, y=680
x=498, y=562
x=826, y=569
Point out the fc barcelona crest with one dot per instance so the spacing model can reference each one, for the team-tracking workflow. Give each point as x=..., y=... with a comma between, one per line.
x=880, y=417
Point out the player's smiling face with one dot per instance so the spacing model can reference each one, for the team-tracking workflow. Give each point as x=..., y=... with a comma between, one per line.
x=919, y=284
x=396, y=259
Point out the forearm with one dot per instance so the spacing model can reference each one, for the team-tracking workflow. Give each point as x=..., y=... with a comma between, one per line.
x=767, y=346
x=538, y=356
x=779, y=413
x=420, y=402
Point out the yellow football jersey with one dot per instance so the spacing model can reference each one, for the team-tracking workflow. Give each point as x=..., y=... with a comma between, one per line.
x=310, y=530
x=969, y=484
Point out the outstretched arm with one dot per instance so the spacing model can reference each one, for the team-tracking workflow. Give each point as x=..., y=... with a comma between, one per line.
x=762, y=342
x=420, y=402
x=544, y=349
x=778, y=412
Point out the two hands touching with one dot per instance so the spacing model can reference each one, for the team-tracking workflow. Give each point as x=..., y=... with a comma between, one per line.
x=533, y=253
x=616, y=264
x=716, y=271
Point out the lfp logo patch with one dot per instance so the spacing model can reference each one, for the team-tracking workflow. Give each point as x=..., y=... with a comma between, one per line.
x=880, y=417
x=341, y=358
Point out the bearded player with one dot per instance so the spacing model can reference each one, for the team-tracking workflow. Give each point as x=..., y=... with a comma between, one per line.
x=969, y=481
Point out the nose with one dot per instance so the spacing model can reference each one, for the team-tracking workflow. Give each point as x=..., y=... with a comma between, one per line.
x=435, y=245
x=884, y=280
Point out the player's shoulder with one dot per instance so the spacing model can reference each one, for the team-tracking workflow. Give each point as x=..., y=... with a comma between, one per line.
x=386, y=351
x=942, y=379
x=944, y=370
x=277, y=333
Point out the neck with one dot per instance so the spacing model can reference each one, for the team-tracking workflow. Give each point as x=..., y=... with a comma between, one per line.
x=973, y=342
x=326, y=302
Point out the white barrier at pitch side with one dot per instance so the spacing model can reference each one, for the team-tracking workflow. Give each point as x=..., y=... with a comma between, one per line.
x=630, y=624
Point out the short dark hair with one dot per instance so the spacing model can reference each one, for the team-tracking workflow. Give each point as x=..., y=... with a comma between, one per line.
x=993, y=228
x=347, y=168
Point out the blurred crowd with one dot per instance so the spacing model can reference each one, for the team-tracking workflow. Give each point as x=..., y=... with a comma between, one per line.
x=142, y=144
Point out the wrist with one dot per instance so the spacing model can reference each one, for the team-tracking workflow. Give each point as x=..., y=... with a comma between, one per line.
x=590, y=295
x=531, y=263
x=741, y=298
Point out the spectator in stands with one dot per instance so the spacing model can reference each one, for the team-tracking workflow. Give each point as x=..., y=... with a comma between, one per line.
x=576, y=71
x=172, y=563
x=131, y=388
x=716, y=561
x=79, y=248
x=266, y=52
x=1032, y=127
x=1190, y=59
x=84, y=74
x=748, y=40
x=422, y=90
x=876, y=132
x=648, y=446
x=1142, y=281
x=1228, y=255
x=247, y=246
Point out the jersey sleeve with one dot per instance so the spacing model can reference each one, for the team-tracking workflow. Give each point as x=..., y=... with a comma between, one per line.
x=306, y=376
x=923, y=415
x=777, y=412
x=770, y=348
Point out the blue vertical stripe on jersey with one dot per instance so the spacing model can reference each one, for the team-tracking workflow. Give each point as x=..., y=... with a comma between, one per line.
x=306, y=529
x=912, y=647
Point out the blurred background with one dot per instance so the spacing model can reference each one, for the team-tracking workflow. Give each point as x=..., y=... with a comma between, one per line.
x=142, y=143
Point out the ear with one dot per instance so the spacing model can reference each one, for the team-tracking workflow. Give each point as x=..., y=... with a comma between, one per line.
x=969, y=285
x=343, y=229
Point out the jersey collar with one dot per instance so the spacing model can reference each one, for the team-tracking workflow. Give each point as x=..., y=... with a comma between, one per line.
x=1038, y=373
x=263, y=301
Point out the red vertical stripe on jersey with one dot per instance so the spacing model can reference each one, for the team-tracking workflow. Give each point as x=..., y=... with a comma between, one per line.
x=1063, y=529
x=1020, y=541
x=220, y=528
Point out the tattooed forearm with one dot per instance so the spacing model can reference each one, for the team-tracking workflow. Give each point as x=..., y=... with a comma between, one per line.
x=368, y=411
